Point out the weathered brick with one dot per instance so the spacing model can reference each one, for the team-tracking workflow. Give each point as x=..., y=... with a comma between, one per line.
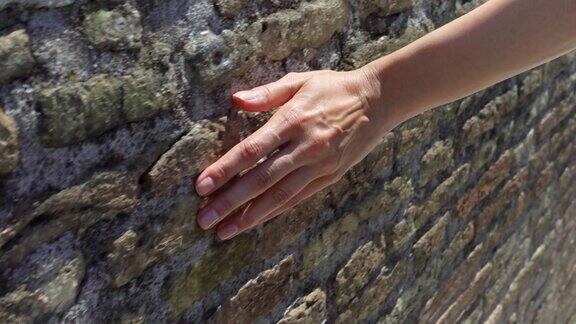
x=438, y=158
x=441, y=195
x=230, y=8
x=375, y=294
x=393, y=195
x=221, y=263
x=308, y=309
x=117, y=29
x=75, y=111
x=311, y=25
x=431, y=242
x=358, y=271
x=555, y=116
x=415, y=131
x=383, y=8
x=16, y=59
x=331, y=243
x=258, y=296
x=9, y=150
x=185, y=158
x=489, y=116
x=487, y=183
x=505, y=197
x=288, y=227
x=77, y=208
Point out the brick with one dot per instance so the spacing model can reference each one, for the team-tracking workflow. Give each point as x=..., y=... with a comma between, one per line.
x=505, y=197
x=196, y=282
x=487, y=183
x=393, y=195
x=555, y=116
x=288, y=227
x=16, y=59
x=75, y=111
x=230, y=8
x=331, y=243
x=308, y=309
x=376, y=293
x=259, y=296
x=117, y=29
x=489, y=116
x=438, y=158
x=441, y=195
x=383, y=8
x=186, y=158
x=9, y=150
x=102, y=197
x=359, y=269
x=431, y=242
x=415, y=131
x=311, y=25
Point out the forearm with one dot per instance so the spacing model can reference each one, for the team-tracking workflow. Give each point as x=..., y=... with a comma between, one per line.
x=498, y=40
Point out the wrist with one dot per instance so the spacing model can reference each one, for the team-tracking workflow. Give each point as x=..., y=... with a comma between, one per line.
x=381, y=99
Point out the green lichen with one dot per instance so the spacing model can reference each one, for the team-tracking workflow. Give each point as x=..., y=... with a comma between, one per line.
x=16, y=60
x=203, y=276
x=114, y=29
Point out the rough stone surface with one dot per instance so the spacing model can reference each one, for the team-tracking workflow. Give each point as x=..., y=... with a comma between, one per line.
x=111, y=108
x=114, y=30
x=358, y=271
x=185, y=158
x=16, y=59
x=308, y=309
x=9, y=151
x=203, y=276
x=259, y=295
x=76, y=111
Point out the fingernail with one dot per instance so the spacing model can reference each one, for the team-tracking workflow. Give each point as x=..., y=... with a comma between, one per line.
x=205, y=186
x=246, y=95
x=207, y=218
x=227, y=231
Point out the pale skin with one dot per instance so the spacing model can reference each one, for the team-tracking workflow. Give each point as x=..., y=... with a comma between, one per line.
x=328, y=121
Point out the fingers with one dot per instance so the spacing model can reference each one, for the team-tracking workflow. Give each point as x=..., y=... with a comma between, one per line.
x=270, y=95
x=241, y=157
x=278, y=195
x=311, y=189
x=250, y=185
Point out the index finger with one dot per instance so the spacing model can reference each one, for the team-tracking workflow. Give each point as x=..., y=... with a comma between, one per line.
x=241, y=157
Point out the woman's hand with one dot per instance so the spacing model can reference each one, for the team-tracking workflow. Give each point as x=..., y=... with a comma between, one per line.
x=325, y=124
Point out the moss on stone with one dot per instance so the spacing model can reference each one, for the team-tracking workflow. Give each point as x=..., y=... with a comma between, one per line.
x=75, y=111
x=116, y=30
x=203, y=276
x=16, y=60
x=9, y=151
x=146, y=93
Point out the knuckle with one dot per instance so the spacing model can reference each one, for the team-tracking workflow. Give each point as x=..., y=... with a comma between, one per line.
x=293, y=118
x=279, y=195
x=251, y=151
x=220, y=171
x=319, y=143
x=262, y=178
x=266, y=91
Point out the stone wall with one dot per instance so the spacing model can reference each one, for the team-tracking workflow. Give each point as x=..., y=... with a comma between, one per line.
x=110, y=108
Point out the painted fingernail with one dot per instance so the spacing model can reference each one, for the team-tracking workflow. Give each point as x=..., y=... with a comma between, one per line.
x=205, y=186
x=246, y=95
x=207, y=218
x=227, y=231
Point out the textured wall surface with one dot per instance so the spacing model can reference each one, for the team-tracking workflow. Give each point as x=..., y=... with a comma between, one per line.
x=110, y=107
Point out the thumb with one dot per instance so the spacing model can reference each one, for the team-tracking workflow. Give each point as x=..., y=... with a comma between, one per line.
x=270, y=95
